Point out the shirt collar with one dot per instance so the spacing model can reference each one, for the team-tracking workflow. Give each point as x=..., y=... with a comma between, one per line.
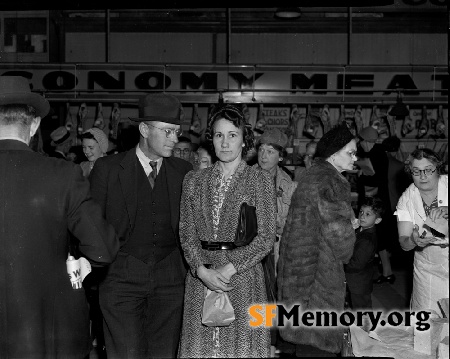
x=145, y=161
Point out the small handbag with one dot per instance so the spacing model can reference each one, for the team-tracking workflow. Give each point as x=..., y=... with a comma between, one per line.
x=247, y=228
x=217, y=310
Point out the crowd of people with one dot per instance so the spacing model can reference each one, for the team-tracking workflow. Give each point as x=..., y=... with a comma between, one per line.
x=161, y=226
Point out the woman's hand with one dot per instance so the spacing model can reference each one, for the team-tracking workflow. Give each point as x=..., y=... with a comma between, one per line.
x=227, y=270
x=213, y=279
x=439, y=212
x=418, y=241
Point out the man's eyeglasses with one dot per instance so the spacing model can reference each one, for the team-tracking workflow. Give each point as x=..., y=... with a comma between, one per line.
x=169, y=131
x=426, y=171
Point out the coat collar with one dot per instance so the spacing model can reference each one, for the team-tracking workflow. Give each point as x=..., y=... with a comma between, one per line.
x=15, y=145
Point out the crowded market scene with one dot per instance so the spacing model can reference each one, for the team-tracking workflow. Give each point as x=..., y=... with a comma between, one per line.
x=192, y=182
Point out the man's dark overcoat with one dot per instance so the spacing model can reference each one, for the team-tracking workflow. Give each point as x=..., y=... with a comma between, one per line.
x=41, y=198
x=318, y=239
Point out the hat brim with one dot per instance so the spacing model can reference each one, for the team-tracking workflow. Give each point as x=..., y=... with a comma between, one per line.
x=171, y=120
x=41, y=105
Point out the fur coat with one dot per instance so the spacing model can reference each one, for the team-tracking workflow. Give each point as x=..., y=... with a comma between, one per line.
x=318, y=239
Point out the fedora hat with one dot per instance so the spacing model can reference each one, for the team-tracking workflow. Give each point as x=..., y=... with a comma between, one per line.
x=59, y=136
x=15, y=90
x=160, y=107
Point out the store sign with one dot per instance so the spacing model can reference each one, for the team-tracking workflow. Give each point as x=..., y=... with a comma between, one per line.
x=319, y=81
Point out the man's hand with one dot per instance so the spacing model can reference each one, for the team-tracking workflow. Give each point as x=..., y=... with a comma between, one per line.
x=213, y=279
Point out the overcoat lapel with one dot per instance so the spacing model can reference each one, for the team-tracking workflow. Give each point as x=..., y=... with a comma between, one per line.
x=128, y=183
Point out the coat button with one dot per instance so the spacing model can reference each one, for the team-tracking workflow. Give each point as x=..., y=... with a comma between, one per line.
x=440, y=201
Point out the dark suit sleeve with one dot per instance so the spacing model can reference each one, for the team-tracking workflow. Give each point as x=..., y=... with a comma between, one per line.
x=99, y=188
x=98, y=241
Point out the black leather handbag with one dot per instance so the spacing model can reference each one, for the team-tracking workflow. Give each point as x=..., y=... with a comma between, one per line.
x=247, y=227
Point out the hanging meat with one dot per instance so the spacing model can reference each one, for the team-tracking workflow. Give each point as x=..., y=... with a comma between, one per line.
x=407, y=126
x=440, y=124
x=70, y=125
x=341, y=115
x=99, y=123
x=424, y=125
x=246, y=113
x=195, y=130
x=391, y=122
x=291, y=130
x=358, y=119
x=325, y=118
x=261, y=123
x=311, y=126
x=374, y=118
x=115, y=120
x=82, y=117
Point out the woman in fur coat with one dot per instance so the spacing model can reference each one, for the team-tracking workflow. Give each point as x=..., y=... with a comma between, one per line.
x=318, y=239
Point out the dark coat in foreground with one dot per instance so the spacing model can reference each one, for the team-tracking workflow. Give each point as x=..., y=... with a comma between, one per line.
x=41, y=198
x=318, y=239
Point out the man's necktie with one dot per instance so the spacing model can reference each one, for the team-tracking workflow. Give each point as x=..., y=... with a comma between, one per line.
x=152, y=175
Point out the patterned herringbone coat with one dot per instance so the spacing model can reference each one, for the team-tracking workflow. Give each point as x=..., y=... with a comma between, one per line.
x=255, y=187
x=318, y=239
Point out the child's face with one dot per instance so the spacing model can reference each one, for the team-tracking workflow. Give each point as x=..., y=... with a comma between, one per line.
x=367, y=217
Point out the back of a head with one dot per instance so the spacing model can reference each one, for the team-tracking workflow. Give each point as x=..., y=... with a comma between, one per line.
x=391, y=144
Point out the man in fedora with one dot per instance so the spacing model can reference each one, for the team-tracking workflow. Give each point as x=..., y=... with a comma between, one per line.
x=61, y=141
x=41, y=199
x=141, y=296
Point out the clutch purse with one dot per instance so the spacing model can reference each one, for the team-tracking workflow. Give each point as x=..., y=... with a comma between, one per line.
x=247, y=228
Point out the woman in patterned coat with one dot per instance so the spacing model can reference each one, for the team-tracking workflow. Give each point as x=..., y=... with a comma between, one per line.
x=318, y=239
x=210, y=205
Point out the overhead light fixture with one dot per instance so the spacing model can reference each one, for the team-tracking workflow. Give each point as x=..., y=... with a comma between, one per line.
x=399, y=109
x=288, y=13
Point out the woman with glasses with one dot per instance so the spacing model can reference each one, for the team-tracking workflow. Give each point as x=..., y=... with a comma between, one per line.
x=317, y=241
x=426, y=197
x=209, y=217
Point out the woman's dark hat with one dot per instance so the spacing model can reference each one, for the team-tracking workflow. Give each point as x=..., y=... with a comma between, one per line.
x=15, y=90
x=160, y=107
x=333, y=141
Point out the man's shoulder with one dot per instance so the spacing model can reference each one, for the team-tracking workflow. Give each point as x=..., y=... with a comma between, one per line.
x=182, y=165
x=114, y=159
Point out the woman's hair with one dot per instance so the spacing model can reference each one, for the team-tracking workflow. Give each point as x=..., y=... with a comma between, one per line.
x=421, y=153
x=234, y=114
x=88, y=136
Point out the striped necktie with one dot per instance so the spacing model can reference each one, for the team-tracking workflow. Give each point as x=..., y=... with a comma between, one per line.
x=152, y=175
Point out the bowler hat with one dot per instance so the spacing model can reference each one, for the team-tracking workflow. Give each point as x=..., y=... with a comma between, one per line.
x=160, y=107
x=15, y=90
x=59, y=136
x=274, y=137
